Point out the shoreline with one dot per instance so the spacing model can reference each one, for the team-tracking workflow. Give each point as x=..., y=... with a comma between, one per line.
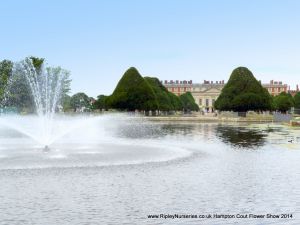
x=208, y=119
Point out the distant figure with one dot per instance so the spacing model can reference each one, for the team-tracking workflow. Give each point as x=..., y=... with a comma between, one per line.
x=46, y=148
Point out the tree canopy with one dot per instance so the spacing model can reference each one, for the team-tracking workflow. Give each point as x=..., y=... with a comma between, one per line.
x=188, y=102
x=243, y=93
x=16, y=87
x=101, y=102
x=283, y=102
x=80, y=101
x=145, y=93
x=297, y=100
x=6, y=67
x=133, y=92
x=167, y=101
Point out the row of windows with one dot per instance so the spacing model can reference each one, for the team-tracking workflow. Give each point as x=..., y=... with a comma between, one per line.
x=179, y=89
x=276, y=89
x=207, y=101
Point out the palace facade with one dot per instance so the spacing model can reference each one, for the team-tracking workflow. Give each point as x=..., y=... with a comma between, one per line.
x=206, y=93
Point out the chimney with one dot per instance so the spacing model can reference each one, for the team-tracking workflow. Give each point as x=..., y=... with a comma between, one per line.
x=271, y=81
x=177, y=81
x=191, y=81
x=297, y=87
x=166, y=81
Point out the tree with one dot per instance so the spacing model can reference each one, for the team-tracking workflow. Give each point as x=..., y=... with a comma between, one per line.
x=101, y=102
x=133, y=92
x=66, y=103
x=243, y=92
x=6, y=67
x=37, y=62
x=19, y=93
x=80, y=102
x=162, y=94
x=297, y=100
x=175, y=101
x=283, y=102
x=188, y=102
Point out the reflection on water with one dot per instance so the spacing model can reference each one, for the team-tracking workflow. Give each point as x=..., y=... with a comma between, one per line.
x=241, y=137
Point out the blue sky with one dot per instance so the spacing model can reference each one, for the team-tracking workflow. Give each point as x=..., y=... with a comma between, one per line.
x=170, y=39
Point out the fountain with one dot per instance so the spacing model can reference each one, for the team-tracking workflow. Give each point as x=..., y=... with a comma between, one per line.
x=47, y=138
x=46, y=86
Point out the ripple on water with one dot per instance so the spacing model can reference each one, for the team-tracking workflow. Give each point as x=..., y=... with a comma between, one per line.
x=104, y=155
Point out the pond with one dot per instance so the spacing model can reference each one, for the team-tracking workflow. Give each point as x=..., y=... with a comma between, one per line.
x=126, y=170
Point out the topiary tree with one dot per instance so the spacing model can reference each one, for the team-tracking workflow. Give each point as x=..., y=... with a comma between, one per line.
x=133, y=92
x=175, y=101
x=161, y=93
x=243, y=93
x=188, y=102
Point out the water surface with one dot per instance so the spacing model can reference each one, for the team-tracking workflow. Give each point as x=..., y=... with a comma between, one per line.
x=132, y=168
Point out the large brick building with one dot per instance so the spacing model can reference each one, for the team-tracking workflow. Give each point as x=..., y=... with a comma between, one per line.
x=206, y=93
x=276, y=87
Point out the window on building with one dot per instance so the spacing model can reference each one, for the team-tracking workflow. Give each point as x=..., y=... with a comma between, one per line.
x=207, y=102
x=200, y=101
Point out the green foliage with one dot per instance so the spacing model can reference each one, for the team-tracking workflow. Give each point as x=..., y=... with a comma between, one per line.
x=66, y=103
x=80, y=101
x=297, y=100
x=175, y=101
x=5, y=73
x=62, y=76
x=242, y=93
x=18, y=92
x=188, y=102
x=133, y=92
x=101, y=102
x=163, y=98
x=37, y=62
x=283, y=102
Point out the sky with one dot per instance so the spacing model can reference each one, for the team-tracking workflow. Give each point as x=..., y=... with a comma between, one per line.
x=170, y=39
